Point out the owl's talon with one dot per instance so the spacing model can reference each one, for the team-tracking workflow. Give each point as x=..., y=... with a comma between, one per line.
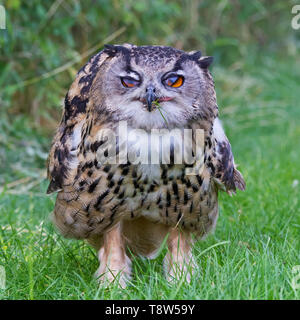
x=109, y=277
x=176, y=271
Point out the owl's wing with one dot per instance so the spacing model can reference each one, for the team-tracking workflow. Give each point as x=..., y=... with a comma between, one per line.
x=225, y=173
x=63, y=153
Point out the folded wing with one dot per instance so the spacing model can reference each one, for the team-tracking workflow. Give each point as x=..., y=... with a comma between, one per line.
x=226, y=176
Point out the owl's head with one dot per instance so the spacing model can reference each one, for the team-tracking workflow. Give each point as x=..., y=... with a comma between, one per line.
x=153, y=86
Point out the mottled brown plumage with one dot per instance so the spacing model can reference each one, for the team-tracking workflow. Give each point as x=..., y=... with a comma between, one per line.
x=137, y=205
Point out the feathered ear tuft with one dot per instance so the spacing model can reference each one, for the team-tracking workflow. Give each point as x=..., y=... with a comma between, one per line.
x=196, y=55
x=205, y=62
x=110, y=49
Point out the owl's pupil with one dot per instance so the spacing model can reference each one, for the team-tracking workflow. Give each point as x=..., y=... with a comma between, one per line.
x=172, y=80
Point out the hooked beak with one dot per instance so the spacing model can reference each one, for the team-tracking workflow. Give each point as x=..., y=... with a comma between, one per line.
x=150, y=97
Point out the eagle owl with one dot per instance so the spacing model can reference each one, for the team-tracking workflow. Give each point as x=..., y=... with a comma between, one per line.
x=118, y=206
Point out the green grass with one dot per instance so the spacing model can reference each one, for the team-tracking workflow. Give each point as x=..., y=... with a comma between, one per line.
x=256, y=242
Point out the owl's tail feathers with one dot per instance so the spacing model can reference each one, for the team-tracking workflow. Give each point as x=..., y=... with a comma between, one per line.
x=238, y=179
x=229, y=185
x=236, y=182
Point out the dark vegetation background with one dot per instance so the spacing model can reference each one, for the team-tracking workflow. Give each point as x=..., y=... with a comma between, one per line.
x=257, y=74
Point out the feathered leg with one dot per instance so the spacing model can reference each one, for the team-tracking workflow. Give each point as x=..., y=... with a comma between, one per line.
x=179, y=261
x=114, y=263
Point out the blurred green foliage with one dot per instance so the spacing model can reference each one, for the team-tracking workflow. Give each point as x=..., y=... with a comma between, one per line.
x=46, y=42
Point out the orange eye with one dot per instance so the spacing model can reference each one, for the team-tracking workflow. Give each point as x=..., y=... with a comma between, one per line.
x=174, y=81
x=129, y=82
